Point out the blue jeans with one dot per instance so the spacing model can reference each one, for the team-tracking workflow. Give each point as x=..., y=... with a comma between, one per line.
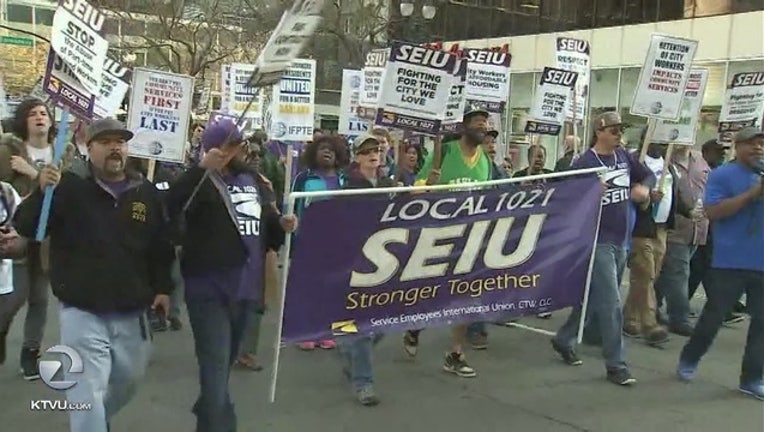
x=115, y=350
x=672, y=281
x=355, y=355
x=218, y=328
x=723, y=290
x=604, y=304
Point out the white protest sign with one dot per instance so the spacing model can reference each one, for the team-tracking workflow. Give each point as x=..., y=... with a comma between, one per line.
x=3, y=99
x=660, y=89
x=296, y=27
x=743, y=103
x=293, y=97
x=61, y=84
x=575, y=55
x=350, y=123
x=114, y=86
x=225, y=85
x=683, y=131
x=239, y=94
x=452, y=120
x=548, y=112
x=373, y=72
x=160, y=111
x=415, y=89
x=487, y=78
x=77, y=36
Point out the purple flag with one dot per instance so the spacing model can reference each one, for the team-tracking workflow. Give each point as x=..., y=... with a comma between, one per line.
x=415, y=261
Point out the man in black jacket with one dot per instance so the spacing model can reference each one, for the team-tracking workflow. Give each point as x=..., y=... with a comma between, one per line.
x=110, y=260
x=223, y=208
x=648, y=247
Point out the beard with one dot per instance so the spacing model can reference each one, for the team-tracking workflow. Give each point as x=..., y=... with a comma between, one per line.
x=474, y=137
x=114, y=164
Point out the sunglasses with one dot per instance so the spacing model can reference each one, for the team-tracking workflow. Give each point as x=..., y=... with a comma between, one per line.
x=369, y=151
x=614, y=129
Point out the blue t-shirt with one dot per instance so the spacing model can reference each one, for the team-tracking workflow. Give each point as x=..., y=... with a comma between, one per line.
x=623, y=171
x=244, y=282
x=738, y=239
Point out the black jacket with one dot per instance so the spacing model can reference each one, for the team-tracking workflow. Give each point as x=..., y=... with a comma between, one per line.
x=107, y=254
x=209, y=238
x=645, y=226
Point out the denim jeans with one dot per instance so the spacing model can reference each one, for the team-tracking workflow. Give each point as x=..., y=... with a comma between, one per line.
x=604, y=304
x=30, y=286
x=218, y=328
x=355, y=355
x=115, y=350
x=672, y=283
x=723, y=290
x=475, y=329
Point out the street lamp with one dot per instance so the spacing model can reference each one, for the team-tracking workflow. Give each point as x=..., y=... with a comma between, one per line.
x=428, y=9
x=416, y=30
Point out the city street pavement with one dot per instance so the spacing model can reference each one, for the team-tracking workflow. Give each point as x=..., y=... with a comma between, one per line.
x=521, y=386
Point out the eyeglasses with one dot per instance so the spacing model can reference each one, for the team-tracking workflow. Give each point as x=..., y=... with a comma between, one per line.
x=369, y=151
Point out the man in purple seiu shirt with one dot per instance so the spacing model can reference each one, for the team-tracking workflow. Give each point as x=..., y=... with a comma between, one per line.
x=222, y=208
x=624, y=181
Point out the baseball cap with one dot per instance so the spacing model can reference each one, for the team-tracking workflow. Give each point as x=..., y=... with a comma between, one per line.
x=493, y=132
x=748, y=133
x=107, y=127
x=606, y=119
x=219, y=133
x=362, y=139
x=473, y=110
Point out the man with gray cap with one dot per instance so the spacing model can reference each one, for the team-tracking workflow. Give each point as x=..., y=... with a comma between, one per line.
x=110, y=259
x=734, y=204
x=625, y=180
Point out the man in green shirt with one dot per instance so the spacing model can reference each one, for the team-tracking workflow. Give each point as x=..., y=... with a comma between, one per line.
x=462, y=160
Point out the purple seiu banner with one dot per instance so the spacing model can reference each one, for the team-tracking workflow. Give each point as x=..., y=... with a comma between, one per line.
x=417, y=261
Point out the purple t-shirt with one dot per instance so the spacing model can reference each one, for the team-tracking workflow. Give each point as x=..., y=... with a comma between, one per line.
x=244, y=282
x=117, y=187
x=623, y=171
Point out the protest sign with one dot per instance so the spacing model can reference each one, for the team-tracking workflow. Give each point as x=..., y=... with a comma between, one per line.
x=205, y=95
x=296, y=27
x=225, y=87
x=415, y=90
x=160, y=110
x=350, y=123
x=114, y=86
x=452, y=120
x=239, y=94
x=61, y=84
x=292, y=117
x=684, y=130
x=575, y=55
x=419, y=261
x=216, y=116
x=548, y=112
x=743, y=103
x=660, y=88
x=487, y=78
x=373, y=72
x=77, y=37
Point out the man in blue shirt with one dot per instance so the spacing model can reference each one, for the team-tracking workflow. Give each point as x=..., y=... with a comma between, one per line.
x=735, y=206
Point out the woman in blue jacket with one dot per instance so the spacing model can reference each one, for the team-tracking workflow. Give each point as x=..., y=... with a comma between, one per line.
x=324, y=159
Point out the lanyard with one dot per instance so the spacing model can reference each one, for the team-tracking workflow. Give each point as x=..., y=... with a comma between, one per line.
x=615, y=155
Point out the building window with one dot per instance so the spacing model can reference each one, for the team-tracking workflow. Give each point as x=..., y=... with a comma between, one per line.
x=44, y=16
x=603, y=96
x=19, y=14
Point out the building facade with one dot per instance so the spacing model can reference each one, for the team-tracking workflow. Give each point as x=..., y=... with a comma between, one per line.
x=728, y=44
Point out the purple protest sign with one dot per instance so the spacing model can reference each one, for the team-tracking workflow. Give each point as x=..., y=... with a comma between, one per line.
x=417, y=261
x=64, y=88
x=415, y=89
